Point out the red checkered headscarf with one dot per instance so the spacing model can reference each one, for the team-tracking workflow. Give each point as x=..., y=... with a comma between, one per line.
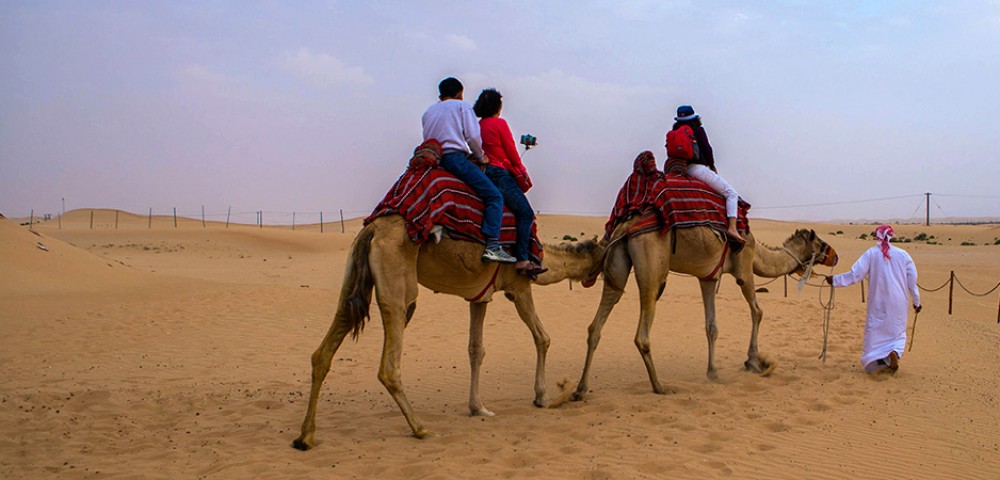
x=882, y=235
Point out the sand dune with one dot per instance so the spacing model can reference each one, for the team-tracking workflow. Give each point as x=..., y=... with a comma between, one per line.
x=149, y=351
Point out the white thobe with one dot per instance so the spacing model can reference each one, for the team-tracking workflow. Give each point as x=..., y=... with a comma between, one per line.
x=889, y=282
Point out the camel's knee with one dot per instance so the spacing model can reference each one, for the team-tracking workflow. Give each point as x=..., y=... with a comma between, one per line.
x=712, y=331
x=391, y=381
x=542, y=342
x=476, y=353
x=643, y=345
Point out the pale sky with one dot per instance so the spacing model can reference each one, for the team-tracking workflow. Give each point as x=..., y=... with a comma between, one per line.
x=819, y=110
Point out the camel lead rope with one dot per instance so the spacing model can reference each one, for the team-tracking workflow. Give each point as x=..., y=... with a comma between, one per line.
x=913, y=331
x=827, y=309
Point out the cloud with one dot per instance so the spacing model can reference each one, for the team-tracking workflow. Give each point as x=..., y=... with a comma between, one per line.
x=324, y=70
x=460, y=42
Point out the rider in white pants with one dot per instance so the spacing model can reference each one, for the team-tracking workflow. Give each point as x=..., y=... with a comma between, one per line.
x=703, y=167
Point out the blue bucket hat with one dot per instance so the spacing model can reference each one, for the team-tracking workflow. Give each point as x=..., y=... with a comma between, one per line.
x=685, y=113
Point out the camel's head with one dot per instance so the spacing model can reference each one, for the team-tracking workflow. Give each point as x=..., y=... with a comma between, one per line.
x=579, y=261
x=812, y=248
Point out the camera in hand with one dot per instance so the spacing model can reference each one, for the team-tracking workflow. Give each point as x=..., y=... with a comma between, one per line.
x=528, y=141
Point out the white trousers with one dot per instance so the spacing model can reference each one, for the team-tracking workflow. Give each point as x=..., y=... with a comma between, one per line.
x=718, y=184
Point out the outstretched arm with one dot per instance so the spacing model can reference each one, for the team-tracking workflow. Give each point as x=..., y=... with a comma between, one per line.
x=857, y=273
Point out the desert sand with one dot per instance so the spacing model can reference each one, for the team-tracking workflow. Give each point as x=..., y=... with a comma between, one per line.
x=131, y=350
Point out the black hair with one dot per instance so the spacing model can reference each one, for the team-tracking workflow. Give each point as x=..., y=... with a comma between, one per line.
x=488, y=103
x=450, y=87
x=693, y=123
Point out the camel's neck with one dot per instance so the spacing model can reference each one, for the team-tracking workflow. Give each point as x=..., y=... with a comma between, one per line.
x=771, y=262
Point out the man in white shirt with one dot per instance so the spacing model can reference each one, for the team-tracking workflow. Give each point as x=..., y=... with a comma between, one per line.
x=891, y=276
x=453, y=123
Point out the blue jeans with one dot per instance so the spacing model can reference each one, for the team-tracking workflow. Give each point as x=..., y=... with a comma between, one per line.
x=458, y=164
x=518, y=204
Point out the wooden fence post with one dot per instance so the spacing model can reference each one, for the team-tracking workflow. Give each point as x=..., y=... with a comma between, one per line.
x=786, y=285
x=951, y=290
x=341, y=220
x=320, y=221
x=91, y=219
x=175, y=217
x=116, y=218
x=150, y=218
x=202, y=216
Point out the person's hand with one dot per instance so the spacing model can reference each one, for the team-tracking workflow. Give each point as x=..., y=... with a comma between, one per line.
x=918, y=308
x=829, y=279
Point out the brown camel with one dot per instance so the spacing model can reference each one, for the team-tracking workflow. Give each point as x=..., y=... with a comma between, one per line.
x=695, y=251
x=383, y=257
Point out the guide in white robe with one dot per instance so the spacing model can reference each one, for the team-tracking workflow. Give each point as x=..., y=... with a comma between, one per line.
x=889, y=281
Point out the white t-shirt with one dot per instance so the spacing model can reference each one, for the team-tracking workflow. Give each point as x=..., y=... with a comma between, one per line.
x=453, y=123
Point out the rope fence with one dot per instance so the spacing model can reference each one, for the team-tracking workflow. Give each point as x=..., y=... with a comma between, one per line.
x=950, y=283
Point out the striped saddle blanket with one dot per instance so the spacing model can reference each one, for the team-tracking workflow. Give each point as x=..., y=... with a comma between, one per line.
x=674, y=199
x=426, y=195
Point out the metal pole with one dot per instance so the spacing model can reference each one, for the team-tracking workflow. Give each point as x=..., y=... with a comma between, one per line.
x=228, y=212
x=31, y=223
x=175, y=217
x=202, y=216
x=150, y=218
x=91, y=219
x=320, y=221
x=341, y=220
x=293, y=221
x=116, y=219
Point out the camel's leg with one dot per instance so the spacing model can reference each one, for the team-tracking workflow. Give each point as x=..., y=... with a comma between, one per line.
x=651, y=268
x=477, y=314
x=615, y=276
x=526, y=310
x=394, y=268
x=711, y=329
x=754, y=362
x=321, y=359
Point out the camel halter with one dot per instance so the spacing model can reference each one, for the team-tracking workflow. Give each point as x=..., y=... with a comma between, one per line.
x=806, y=267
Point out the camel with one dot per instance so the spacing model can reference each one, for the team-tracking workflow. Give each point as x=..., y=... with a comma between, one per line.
x=696, y=251
x=384, y=258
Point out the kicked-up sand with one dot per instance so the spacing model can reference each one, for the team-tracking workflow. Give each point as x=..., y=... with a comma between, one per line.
x=154, y=351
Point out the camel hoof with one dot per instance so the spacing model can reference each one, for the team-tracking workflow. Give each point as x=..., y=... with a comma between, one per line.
x=299, y=444
x=482, y=412
x=538, y=402
x=712, y=375
x=576, y=396
x=422, y=433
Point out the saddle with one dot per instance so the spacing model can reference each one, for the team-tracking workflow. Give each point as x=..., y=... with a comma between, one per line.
x=670, y=200
x=426, y=195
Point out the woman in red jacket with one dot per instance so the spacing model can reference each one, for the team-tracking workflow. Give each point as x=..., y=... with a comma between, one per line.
x=507, y=172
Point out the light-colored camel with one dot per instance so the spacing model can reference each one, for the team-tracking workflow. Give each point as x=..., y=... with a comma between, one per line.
x=383, y=258
x=695, y=251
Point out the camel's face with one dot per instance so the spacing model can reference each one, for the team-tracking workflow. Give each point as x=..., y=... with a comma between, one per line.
x=825, y=254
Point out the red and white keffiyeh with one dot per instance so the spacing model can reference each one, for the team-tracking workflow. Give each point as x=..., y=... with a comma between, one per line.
x=882, y=234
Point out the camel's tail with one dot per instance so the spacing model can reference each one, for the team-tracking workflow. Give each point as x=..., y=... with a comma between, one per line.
x=356, y=292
